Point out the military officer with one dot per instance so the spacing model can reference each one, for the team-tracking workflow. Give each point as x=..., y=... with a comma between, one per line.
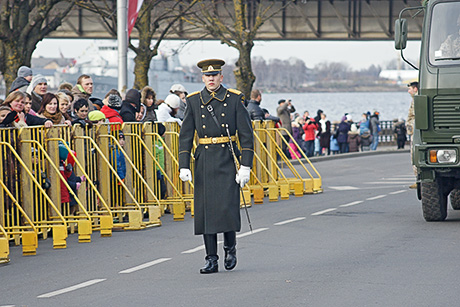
x=217, y=183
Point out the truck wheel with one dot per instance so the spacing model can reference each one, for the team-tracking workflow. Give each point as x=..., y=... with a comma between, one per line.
x=455, y=199
x=434, y=202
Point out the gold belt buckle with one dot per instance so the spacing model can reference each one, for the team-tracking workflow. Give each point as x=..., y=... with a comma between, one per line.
x=214, y=140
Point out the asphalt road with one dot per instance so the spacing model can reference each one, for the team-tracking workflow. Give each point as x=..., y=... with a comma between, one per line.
x=363, y=242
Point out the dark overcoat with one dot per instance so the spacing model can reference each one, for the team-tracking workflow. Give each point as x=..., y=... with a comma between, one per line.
x=216, y=194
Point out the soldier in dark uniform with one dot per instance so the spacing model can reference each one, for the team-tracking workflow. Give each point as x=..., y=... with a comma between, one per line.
x=217, y=193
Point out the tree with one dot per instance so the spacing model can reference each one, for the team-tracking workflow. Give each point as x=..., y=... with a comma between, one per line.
x=165, y=16
x=246, y=19
x=22, y=25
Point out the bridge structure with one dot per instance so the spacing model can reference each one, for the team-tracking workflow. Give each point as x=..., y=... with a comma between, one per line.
x=298, y=20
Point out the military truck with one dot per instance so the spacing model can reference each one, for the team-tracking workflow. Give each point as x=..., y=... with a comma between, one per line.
x=436, y=139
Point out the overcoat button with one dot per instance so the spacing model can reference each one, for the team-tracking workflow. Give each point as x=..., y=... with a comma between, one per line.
x=202, y=106
x=204, y=126
x=202, y=115
x=225, y=104
x=223, y=125
x=223, y=145
x=206, y=147
x=223, y=114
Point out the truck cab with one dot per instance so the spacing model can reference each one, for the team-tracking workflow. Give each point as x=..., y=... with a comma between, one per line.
x=436, y=139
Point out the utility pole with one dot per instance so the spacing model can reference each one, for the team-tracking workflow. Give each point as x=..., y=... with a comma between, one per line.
x=122, y=38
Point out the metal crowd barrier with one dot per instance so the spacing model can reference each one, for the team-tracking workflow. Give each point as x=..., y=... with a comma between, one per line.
x=30, y=180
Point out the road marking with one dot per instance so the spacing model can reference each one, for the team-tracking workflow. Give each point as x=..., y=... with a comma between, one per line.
x=390, y=182
x=376, y=197
x=72, y=288
x=245, y=234
x=351, y=204
x=201, y=247
x=324, y=211
x=344, y=188
x=397, y=192
x=290, y=221
x=144, y=266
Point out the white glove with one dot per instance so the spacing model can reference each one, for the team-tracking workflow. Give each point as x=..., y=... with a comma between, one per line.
x=242, y=177
x=185, y=174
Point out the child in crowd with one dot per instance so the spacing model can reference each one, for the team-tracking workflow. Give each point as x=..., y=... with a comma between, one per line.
x=141, y=114
x=66, y=169
x=160, y=157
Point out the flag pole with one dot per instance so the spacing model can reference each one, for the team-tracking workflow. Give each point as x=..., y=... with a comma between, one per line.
x=122, y=39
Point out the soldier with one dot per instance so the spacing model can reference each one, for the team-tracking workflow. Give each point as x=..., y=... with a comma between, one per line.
x=217, y=193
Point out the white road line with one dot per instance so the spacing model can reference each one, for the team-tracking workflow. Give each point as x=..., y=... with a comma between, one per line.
x=390, y=182
x=245, y=234
x=351, y=204
x=397, y=192
x=376, y=197
x=344, y=188
x=144, y=266
x=72, y=288
x=324, y=211
x=290, y=221
x=201, y=247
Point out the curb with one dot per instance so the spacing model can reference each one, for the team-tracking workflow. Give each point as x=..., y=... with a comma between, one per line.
x=351, y=155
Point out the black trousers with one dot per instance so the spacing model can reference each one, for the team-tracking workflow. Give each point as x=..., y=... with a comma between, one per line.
x=210, y=242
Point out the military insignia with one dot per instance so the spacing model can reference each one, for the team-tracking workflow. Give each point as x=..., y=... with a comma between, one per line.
x=194, y=93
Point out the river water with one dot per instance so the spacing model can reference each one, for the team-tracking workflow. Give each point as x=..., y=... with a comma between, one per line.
x=391, y=105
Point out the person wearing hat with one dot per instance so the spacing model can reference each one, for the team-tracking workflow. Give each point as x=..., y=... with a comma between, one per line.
x=96, y=117
x=212, y=112
x=374, y=127
x=167, y=110
x=23, y=80
x=37, y=88
x=284, y=110
x=413, y=88
x=131, y=105
x=148, y=98
x=112, y=109
x=181, y=92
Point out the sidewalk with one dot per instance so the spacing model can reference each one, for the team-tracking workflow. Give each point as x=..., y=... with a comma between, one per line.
x=380, y=150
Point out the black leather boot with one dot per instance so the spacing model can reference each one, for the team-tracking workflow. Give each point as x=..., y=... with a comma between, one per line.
x=230, y=250
x=211, y=266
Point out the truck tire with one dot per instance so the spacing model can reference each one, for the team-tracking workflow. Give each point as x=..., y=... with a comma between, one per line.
x=434, y=202
x=455, y=199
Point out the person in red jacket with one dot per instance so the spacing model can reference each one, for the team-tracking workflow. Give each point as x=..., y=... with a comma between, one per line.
x=310, y=129
x=111, y=110
x=66, y=163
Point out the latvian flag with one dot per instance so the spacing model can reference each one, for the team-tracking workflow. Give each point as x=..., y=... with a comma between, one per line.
x=134, y=7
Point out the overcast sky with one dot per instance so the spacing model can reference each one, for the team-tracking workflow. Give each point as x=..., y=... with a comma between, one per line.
x=357, y=54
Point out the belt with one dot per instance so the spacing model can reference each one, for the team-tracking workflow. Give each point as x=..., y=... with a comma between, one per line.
x=216, y=140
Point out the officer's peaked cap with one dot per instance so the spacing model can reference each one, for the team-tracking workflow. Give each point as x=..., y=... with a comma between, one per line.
x=211, y=66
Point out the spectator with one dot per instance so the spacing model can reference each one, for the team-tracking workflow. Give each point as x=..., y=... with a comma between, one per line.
x=400, y=131
x=97, y=103
x=297, y=132
x=6, y=116
x=366, y=140
x=310, y=129
x=318, y=115
x=167, y=110
x=50, y=109
x=284, y=110
x=354, y=140
x=120, y=158
x=131, y=105
x=97, y=117
x=37, y=88
x=64, y=105
x=111, y=92
x=15, y=101
x=254, y=109
x=21, y=83
x=84, y=89
x=81, y=111
x=141, y=114
x=111, y=111
x=65, y=86
x=28, y=105
x=342, y=134
x=180, y=91
x=413, y=88
x=160, y=157
x=268, y=116
x=364, y=123
x=374, y=127
x=324, y=134
x=148, y=98
x=66, y=170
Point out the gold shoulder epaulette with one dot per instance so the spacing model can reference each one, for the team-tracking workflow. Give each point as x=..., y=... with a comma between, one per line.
x=194, y=93
x=234, y=91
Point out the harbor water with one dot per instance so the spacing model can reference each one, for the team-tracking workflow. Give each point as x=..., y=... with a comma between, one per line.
x=391, y=105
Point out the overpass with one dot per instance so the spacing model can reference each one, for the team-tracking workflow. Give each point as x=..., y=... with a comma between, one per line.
x=300, y=20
